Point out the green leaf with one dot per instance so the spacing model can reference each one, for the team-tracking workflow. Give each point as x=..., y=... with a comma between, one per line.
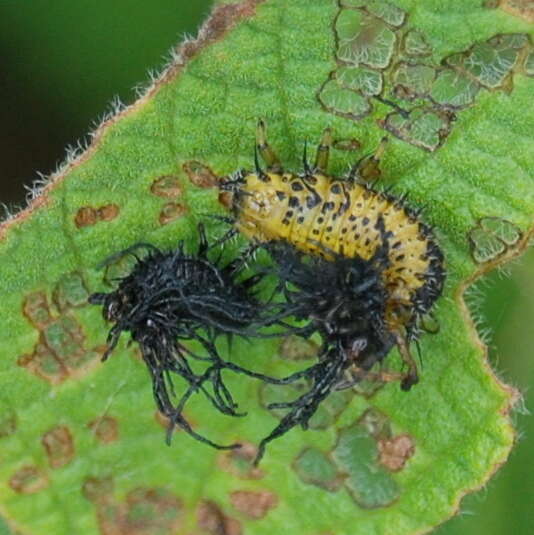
x=82, y=448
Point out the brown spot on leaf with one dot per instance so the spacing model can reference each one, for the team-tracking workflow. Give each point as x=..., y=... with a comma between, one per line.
x=212, y=520
x=8, y=422
x=36, y=309
x=171, y=211
x=65, y=338
x=238, y=462
x=395, y=452
x=108, y=212
x=199, y=174
x=150, y=511
x=166, y=186
x=59, y=446
x=98, y=490
x=87, y=215
x=105, y=429
x=519, y=8
x=254, y=504
x=145, y=511
x=43, y=363
x=59, y=351
x=28, y=480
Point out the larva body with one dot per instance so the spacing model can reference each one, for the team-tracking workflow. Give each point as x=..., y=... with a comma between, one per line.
x=321, y=215
x=356, y=264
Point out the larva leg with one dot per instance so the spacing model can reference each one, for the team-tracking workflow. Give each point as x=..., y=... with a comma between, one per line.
x=266, y=152
x=323, y=151
x=367, y=169
x=411, y=377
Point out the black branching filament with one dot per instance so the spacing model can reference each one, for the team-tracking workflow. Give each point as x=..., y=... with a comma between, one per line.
x=174, y=297
x=344, y=300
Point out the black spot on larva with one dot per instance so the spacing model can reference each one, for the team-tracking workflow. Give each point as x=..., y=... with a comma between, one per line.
x=296, y=186
x=281, y=195
x=365, y=221
x=336, y=188
x=329, y=229
x=300, y=220
x=400, y=257
x=396, y=245
x=352, y=218
x=327, y=206
x=293, y=202
x=320, y=220
x=312, y=201
x=315, y=231
x=289, y=214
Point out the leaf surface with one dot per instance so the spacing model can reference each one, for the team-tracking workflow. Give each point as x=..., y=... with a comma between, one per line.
x=82, y=447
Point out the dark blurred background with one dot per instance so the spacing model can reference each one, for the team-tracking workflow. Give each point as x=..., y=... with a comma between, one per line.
x=62, y=62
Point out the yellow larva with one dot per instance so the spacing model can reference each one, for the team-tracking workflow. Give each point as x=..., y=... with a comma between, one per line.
x=329, y=216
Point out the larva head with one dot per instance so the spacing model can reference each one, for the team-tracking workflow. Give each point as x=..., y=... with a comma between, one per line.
x=255, y=200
